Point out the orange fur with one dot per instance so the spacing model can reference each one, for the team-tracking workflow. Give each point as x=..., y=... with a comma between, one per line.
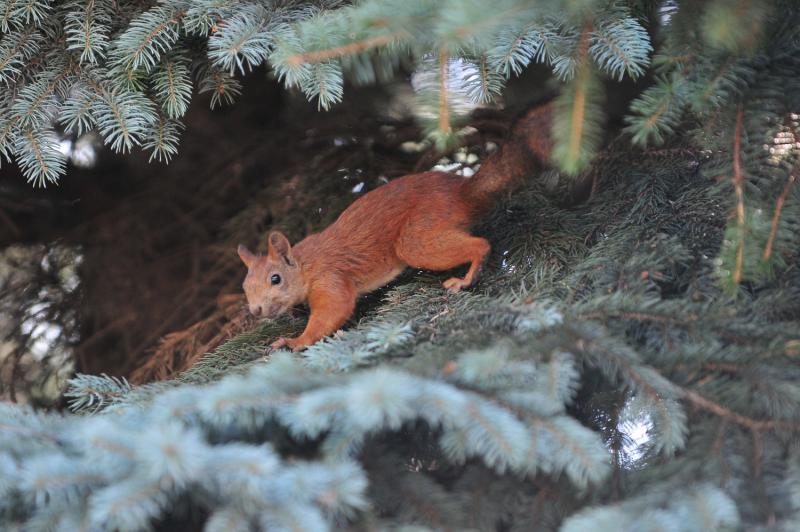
x=419, y=221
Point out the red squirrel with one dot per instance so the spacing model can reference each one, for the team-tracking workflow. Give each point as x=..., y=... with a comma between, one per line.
x=418, y=220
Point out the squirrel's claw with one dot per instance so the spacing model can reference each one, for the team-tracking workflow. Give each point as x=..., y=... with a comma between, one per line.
x=454, y=284
x=280, y=342
x=291, y=343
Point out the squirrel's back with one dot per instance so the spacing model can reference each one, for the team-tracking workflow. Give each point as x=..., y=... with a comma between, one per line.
x=366, y=232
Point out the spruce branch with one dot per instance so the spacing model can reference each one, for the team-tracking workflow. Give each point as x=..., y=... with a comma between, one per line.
x=325, y=83
x=18, y=430
x=203, y=17
x=27, y=11
x=466, y=23
x=87, y=26
x=173, y=86
x=484, y=84
x=16, y=49
x=668, y=506
x=148, y=37
x=76, y=111
x=37, y=153
x=123, y=117
x=88, y=393
x=517, y=46
x=657, y=112
x=7, y=138
x=776, y=217
x=738, y=186
x=716, y=85
x=747, y=422
x=578, y=114
x=352, y=48
x=223, y=87
x=52, y=480
x=735, y=25
x=659, y=393
x=620, y=45
x=33, y=106
x=242, y=42
x=162, y=139
x=7, y=20
x=444, y=107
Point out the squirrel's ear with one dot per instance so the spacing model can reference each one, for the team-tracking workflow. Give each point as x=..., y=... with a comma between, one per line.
x=279, y=247
x=246, y=255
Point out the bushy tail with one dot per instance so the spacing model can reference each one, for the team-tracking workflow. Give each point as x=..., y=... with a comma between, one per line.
x=526, y=151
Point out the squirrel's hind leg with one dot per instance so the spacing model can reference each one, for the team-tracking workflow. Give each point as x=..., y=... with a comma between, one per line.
x=444, y=250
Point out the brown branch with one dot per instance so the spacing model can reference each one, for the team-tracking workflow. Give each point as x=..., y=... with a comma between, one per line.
x=725, y=412
x=579, y=107
x=444, y=110
x=28, y=432
x=640, y=316
x=60, y=480
x=112, y=447
x=346, y=49
x=722, y=367
x=738, y=185
x=696, y=399
x=777, y=216
x=709, y=91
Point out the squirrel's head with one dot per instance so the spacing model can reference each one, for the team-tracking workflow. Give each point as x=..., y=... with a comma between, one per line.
x=274, y=282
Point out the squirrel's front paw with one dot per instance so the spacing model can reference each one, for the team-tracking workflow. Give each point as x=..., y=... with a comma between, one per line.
x=455, y=284
x=292, y=343
x=280, y=342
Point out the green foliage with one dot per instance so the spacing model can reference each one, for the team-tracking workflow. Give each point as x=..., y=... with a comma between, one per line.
x=173, y=83
x=703, y=507
x=736, y=25
x=743, y=64
x=657, y=112
x=667, y=304
x=596, y=378
x=87, y=25
x=151, y=55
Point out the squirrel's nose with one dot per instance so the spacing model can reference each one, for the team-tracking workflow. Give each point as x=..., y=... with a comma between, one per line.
x=255, y=310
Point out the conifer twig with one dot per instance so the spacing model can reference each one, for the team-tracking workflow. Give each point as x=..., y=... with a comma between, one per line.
x=42, y=98
x=579, y=109
x=444, y=110
x=30, y=433
x=738, y=184
x=346, y=49
x=640, y=316
x=150, y=37
x=12, y=53
x=36, y=147
x=777, y=216
x=725, y=412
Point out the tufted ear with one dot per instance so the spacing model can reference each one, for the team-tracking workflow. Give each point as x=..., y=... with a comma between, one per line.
x=279, y=248
x=246, y=255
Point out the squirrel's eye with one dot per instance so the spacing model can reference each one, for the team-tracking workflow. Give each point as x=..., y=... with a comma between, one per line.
x=275, y=279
